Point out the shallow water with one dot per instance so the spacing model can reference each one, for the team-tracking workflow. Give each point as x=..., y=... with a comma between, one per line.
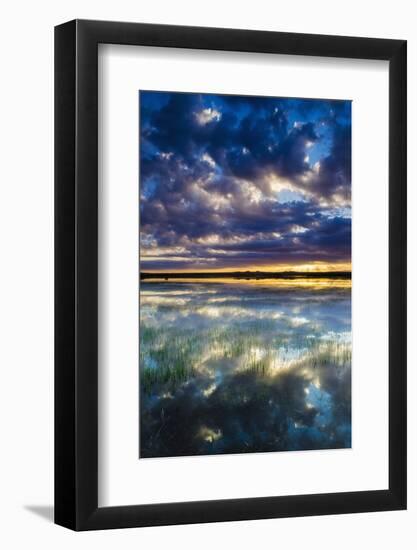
x=244, y=366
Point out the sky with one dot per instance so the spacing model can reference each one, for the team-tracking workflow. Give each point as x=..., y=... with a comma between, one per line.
x=232, y=182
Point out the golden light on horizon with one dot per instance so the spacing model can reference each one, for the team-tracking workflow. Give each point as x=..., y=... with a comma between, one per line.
x=311, y=267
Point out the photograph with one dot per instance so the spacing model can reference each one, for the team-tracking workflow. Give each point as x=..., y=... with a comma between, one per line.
x=208, y=275
x=245, y=274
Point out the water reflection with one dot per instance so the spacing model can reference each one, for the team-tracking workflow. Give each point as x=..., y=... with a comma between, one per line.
x=229, y=367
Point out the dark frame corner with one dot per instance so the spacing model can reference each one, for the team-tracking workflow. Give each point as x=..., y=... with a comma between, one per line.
x=76, y=234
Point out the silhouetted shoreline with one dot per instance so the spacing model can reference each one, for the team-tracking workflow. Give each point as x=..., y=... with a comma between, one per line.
x=248, y=275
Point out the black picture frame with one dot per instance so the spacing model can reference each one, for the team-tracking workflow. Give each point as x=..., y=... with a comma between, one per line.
x=76, y=271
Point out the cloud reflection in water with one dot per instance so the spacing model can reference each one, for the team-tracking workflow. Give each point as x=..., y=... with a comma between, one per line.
x=233, y=368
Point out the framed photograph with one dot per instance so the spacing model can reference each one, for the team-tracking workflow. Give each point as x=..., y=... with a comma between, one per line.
x=230, y=247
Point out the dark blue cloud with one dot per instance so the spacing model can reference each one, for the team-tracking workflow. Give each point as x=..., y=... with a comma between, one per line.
x=240, y=181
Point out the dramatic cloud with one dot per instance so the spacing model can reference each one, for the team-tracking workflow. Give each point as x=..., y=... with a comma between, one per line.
x=243, y=182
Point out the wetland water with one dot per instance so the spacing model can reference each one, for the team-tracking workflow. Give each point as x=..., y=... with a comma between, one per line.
x=231, y=366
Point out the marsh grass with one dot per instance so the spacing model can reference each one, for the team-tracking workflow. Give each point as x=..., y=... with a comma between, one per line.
x=169, y=356
x=329, y=353
x=171, y=376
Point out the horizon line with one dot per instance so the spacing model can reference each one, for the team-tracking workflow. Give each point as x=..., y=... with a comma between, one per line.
x=344, y=274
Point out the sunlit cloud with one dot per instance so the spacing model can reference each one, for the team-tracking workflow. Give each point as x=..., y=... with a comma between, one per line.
x=207, y=115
